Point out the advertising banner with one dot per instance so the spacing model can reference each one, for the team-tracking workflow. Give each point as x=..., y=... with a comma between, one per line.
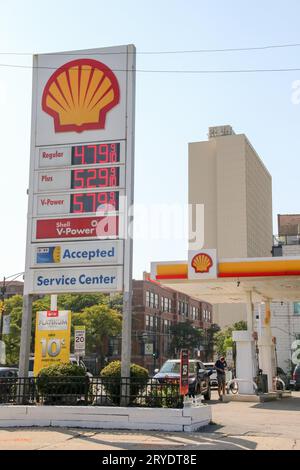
x=77, y=228
x=184, y=372
x=52, y=338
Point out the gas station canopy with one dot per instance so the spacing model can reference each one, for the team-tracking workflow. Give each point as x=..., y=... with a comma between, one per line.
x=272, y=279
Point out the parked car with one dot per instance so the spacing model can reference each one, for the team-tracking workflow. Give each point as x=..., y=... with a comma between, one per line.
x=210, y=366
x=198, y=376
x=295, y=381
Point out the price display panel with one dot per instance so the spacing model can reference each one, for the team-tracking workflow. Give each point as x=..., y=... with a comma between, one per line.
x=96, y=154
x=93, y=201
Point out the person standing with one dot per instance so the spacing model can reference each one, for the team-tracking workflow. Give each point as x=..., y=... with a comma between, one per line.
x=220, y=367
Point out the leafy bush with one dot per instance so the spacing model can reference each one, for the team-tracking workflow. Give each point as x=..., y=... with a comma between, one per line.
x=111, y=381
x=164, y=396
x=62, y=383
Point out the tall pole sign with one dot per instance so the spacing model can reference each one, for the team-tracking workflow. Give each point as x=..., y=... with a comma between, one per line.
x=81, y=179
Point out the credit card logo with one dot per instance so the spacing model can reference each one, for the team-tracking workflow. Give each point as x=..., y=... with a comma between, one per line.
x=48, y=254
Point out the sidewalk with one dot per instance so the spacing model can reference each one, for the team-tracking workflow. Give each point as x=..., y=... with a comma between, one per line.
x=236, y=425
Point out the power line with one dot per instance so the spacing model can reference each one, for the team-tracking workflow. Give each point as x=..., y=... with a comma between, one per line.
x=188, y=51
x=222, y=71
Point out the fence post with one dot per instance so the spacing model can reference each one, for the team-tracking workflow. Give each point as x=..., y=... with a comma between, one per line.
x=86, y=390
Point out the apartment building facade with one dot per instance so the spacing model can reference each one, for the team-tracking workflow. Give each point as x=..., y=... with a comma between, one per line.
x=155, y=310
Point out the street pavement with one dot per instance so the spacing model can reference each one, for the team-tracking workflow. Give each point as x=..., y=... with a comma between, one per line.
x=236, y=425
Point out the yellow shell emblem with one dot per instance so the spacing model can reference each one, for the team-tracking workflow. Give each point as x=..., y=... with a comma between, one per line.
x=202, y=263
x=79, y=95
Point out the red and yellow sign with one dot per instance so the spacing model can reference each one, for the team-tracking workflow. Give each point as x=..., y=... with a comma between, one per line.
x=79, y=94
x=202, y=263
x=52, y=338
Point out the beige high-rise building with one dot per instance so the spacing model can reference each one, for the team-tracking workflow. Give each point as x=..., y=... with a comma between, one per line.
x=229, y=178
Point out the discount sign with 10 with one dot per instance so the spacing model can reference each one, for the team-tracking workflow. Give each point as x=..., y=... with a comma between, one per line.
x=52, y=339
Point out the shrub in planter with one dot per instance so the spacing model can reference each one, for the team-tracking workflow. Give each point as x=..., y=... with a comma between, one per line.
x=62, y=383
x=111, y=381
x=164, y=396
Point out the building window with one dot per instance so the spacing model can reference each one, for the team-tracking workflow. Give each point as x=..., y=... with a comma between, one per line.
x=151, y=300
x=156, y=304
x=162, y=303
x=166, y=304
x=296, y=308
x=170, y=305
x=147, y=298
x=186, y=310
x=147, y=322
x=113, y=346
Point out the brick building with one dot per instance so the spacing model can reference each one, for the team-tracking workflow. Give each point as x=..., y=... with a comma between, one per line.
x=12, y=288
x=155, y=309
x=285, y=320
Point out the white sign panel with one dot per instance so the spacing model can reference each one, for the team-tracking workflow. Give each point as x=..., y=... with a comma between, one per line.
x=109, y=177
x=79, y=340
x=93, y=153
x=81, y=172
x=148, y=351
x=54, y=156
x=75, y=89
x=52, y=204
x=52, y=180
x=59, y=322
x=202, y=264
x=77, y=253
x=100, y=279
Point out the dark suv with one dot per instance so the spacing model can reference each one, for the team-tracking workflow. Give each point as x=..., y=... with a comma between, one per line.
x=296, y=378
x=198, y=376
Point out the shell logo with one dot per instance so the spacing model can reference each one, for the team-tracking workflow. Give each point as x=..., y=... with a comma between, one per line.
x=79, y=94
x=202, y=263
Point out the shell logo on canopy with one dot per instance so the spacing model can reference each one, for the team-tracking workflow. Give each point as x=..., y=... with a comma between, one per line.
x=202, y=263
x=79, y=94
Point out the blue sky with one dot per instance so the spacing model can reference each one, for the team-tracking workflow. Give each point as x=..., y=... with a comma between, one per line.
x=171, y=109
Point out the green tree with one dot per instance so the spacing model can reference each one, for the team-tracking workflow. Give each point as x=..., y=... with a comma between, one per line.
x=101, y=322
x=209, y=341
x=78, y=302
x=13, y=307
x=223, y=338
x=116, y=302
x=185, y=336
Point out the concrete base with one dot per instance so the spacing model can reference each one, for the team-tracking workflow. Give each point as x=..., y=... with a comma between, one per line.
x=260, y=398
x=155, y=419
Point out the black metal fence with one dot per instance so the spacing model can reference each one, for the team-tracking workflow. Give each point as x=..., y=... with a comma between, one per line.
x=97, y=391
